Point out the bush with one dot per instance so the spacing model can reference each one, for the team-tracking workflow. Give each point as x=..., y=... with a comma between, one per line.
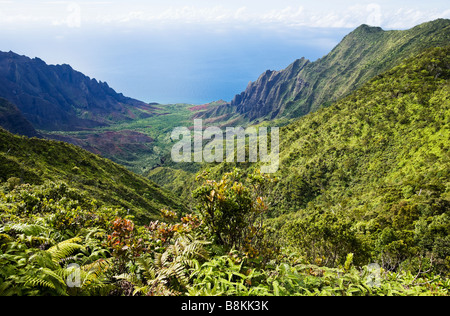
x=232, y=211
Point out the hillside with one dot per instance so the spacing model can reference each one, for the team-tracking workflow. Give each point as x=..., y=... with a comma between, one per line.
x=392, y=133
x=66, y=105
x=371, y=173
x=305, y=86
x=139, y=144
x=35, y=161
x=56, y=97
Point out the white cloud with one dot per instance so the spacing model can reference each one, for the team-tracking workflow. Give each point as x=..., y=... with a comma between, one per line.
x=73, y=18
x=406, y=18
x=375, y=16
x=283, y=13
x=240, y=13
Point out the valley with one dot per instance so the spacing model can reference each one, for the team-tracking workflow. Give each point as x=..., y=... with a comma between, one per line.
x=139, y=144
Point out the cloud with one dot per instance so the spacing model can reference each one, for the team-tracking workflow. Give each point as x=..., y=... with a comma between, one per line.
x=36, y=13
x=207, y=15
x=73, y=19
x=375, y=16
x=284, y=13
x=291, y=16
x=406, y=18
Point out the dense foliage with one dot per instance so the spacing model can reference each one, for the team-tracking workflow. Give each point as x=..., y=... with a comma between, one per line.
x=57, y=241
x=371, y=172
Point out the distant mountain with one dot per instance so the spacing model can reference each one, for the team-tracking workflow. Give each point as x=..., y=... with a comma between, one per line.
x=305, y=86
x=13, y=120
x=59, y=98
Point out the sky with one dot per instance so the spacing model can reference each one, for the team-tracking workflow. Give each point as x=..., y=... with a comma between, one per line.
x=192, y=51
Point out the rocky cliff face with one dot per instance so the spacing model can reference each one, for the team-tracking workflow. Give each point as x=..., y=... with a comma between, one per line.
x=60, y=98
x=306, y=86
x=265, y=95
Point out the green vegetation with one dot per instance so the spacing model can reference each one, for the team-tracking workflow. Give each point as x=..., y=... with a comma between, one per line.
x=13, y=120
x=370, y=174
x=138, y=156
x=372, y=171
x=359, y=207
x=35, y=161
x=57, y=241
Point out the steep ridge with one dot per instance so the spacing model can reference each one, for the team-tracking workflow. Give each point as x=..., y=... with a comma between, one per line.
x=60, y=98
x=305, y=86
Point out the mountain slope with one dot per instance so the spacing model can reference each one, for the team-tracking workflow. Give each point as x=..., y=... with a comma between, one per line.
x=60, y=98
x=370, y=175
x=305, y=86
x=392, y=133
x=374, y=168
x=35, y=161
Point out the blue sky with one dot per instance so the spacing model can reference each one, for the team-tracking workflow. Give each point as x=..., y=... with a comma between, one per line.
x=192, y=51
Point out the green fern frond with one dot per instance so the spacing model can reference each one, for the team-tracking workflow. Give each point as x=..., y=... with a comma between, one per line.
x=65, y=249
x=34, y=281
x=197, y=249
x=132, y=278
x=167, y=256
x=192, y=263
x=179, y=271
x=8, y=289
x=35, y=240
x=29, y=229
x=5, y=238
x=148, y=266
x=159, y=261
x=141, y=290
x=43, y=259
x=98, y=267
x=47, y=278
x=74, y=240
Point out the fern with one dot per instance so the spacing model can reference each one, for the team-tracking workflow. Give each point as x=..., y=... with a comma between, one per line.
x=168, y=272
x=34, y=281
x=8, y=289
x=43, y=259
x=64, y=249
x=98, y=267
x=47, y=278
x=29, y=229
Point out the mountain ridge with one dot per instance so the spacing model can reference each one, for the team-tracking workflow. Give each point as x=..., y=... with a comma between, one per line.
x=57, y=97
x=376, y=161
x=295, y=91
